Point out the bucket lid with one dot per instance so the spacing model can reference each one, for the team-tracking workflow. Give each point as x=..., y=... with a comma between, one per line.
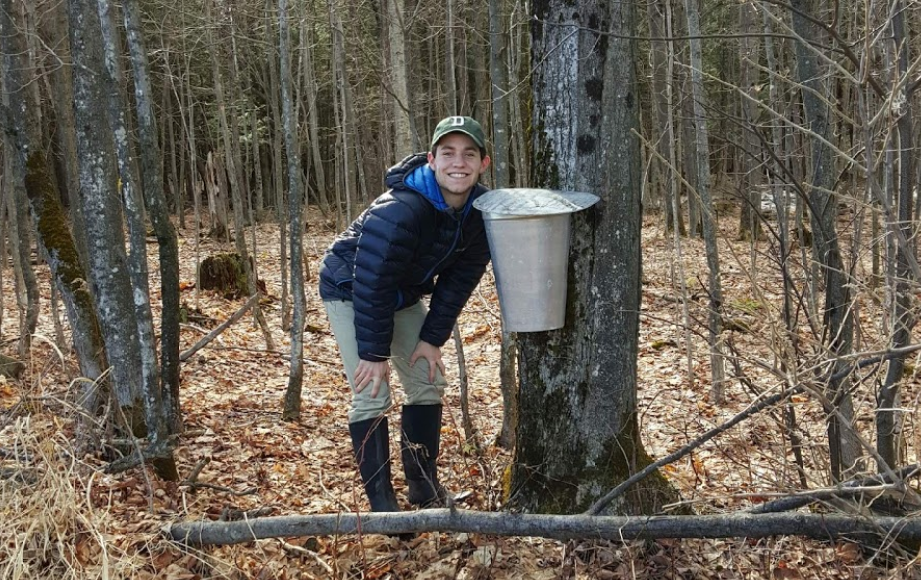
x=527, y=201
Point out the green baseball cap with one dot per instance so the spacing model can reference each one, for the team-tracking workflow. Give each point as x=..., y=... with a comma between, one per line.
x=466, y=125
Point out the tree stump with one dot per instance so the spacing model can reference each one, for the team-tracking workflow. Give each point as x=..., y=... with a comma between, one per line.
x=225, y=274
x=10, y=367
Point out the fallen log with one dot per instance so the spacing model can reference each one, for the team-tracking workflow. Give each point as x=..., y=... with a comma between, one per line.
x=559, y=527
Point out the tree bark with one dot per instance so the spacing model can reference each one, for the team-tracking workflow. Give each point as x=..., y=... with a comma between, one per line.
x=137, y=233
x=578, y=431
x=108, y=268
x=167, y=243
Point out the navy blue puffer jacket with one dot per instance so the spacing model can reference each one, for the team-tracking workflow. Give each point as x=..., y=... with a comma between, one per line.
x=407, y=244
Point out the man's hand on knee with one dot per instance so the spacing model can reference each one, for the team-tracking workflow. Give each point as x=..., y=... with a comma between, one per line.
x=373, y=373
x=430, y=353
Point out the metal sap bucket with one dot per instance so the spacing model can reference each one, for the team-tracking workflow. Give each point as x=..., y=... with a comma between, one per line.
x=528, y=232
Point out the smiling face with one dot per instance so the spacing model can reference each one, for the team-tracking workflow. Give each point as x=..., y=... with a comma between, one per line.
x=457, y=164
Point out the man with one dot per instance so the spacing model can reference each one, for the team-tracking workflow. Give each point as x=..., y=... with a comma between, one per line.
x=421, y=237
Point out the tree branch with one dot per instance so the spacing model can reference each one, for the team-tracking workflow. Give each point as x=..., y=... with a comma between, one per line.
x=217, y=331
x=805, y=498
x=597, y=507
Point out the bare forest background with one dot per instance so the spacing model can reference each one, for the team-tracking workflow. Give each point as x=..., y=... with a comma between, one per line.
x=738, y=361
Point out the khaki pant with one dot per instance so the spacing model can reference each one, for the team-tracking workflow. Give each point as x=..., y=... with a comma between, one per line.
x=415, y=380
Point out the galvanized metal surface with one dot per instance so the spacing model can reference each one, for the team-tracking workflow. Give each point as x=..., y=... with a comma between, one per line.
x=524, y=201
x=528, y=231
x=530, y=259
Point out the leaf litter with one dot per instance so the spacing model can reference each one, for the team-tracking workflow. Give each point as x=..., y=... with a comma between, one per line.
x=65, y=518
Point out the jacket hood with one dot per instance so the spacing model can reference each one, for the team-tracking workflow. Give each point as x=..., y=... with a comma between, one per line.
x=413, y=173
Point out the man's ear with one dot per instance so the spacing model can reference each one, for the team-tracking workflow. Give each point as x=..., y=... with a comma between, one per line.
x=484, y=165
x=431, y=159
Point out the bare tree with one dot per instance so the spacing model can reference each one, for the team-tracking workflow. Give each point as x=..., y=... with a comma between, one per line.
x=155, y=200
x=295, y=209
x=708, y=215
x=837, y=313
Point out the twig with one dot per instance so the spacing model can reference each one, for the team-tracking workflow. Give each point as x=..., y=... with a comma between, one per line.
x=221, y=488
x=805, y=498
x=470, y=434
x=305, y=552
x=196, y=471
x=221, y=328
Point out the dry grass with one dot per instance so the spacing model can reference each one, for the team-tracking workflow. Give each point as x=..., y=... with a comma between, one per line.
x=51, y=527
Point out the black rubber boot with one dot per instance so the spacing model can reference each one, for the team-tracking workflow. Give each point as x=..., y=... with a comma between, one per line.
x=420, y=446
x=371, y=442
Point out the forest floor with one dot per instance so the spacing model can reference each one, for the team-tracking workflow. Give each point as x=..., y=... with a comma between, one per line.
x=63, y=517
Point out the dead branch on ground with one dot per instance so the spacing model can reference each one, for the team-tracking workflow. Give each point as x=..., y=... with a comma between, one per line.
x=221, y=328
x=558, y=527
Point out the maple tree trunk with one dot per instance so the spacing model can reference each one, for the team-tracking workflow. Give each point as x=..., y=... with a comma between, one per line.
x=577, y=432
x=616, y=528
x=137, y=236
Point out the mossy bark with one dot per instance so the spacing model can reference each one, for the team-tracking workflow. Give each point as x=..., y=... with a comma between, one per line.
x=67, y=271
